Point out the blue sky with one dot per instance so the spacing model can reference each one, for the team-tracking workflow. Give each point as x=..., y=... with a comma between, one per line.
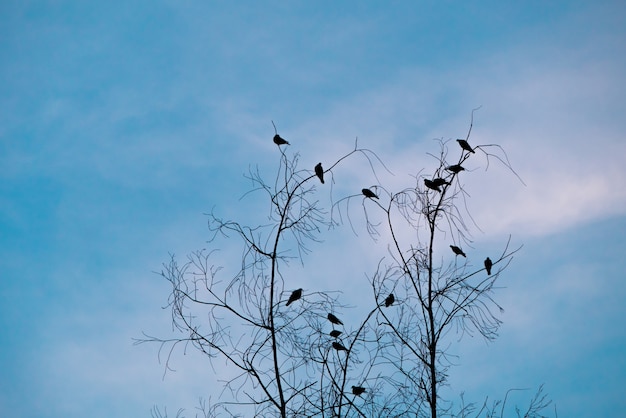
x=122, y=123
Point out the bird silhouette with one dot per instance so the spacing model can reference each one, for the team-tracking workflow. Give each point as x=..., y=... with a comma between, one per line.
x=358, y=390
x=339, y=347
x=335, y=333
x=465, y=145
x=431, y=185
x=456, y=168
x=319, y=171
x=279, y=141
x=488, y=265
x=333, y=319
x=457, y=250
x=295, y=295
x=369, y=193
x=389, y=300
x=440, y=182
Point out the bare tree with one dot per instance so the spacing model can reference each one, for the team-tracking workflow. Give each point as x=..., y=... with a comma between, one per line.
x=272, y=336
x=396, y=358
x=427, y=288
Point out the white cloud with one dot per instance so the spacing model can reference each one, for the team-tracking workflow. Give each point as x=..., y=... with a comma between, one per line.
x=558, y=121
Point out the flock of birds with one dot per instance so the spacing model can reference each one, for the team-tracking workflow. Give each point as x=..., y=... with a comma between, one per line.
x=434, y=184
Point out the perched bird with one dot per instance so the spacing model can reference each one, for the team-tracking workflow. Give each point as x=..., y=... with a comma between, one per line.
x=465, y=145
x=369, y=193
x=333, y=319
x=358, y=390
x=339, y=347
x=295, y=295
x=488, y=265
x=431, y=185
x=319, y=172
x=279, y=141
x=389, y=300
x=457, y=250
x=456, y=168
x=440, y=182
x=335, y=333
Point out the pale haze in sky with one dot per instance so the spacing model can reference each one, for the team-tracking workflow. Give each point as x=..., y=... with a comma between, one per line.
x=123, y=123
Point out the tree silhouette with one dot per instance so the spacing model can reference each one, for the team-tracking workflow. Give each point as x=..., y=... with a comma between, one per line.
x=392, y=360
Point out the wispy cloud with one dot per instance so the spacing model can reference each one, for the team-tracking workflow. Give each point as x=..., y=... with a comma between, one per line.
x=121, y=127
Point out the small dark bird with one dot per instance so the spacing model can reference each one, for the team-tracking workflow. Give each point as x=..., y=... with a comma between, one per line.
x=335, y=333
x=358, y=390
x=440, y=182
x=333, y=319
x=369, y=193
x=295, y=295
x=319, y=172
x=488, y=265
x=389, y=300
x=465, y=145
x=339, y=347
x=457, y=250
x=456, y=168
x=279, y=141
x=431, y=185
